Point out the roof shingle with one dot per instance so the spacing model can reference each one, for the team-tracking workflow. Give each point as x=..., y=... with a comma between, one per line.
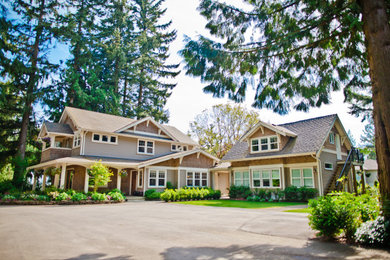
x=58, y=128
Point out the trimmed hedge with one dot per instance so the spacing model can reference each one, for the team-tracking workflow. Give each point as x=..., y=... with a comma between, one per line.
x=190, y=194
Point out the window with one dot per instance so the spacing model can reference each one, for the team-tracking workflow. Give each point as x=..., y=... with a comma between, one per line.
x=266, y=178
x=157, y=178
x=302, y=177
x=76, y=140
x=145, y=147
x=196, y=179
x=269, y=143
x=331, y=137
x=241, y=178
x=328, y=166
x=178, y=148
x=107, y=139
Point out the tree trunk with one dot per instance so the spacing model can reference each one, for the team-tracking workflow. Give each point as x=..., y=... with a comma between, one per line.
x=124, y=96
x=31, y=84
x=140, y=93
x=377, y=32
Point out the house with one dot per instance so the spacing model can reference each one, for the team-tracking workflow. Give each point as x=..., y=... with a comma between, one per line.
x=313, y=153
x=142, y=154
x=370, y=170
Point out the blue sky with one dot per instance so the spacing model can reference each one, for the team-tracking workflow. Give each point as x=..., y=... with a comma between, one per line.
x=188, y=99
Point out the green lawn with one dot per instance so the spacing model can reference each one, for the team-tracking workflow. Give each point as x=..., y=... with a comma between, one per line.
x=240, y=204
x=305, y=210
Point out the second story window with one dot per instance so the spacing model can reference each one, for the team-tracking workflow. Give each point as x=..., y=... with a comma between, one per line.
x=145, y=147
x=103, y=138
x=179, y=148
x=331, y=137
x=76, y=140
x=263, y=144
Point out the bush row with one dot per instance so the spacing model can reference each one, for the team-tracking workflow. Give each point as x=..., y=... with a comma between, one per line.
x=290, y=193
x=54, y=194
x=187, y=193
x=356, y=217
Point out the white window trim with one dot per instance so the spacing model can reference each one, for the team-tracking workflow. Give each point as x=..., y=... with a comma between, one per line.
x=269, y=143
x=329, y=169
x=101, y=137
x=157, y=170
x=242, y=171
x=301, y=177
x=200, y=180
x=270, y=178
x=77, y=140
x=181, y=149
x=331, y=140
x=140, y=172
x=146, y=147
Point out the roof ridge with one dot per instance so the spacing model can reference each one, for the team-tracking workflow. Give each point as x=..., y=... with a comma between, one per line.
x=308, y=119
x=101, y=113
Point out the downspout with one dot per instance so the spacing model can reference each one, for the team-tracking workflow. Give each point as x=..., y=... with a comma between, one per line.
x=320, y=184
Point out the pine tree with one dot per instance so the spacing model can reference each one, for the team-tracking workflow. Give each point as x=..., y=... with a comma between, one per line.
x=299, y=52
x=150, y=71
x=27, y=66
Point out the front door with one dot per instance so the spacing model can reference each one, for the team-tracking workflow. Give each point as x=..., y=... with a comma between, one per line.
x=133, y=181
x=223, y=183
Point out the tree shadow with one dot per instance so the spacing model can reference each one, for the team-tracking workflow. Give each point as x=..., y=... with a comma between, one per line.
x=312, y=250
x=99, y=256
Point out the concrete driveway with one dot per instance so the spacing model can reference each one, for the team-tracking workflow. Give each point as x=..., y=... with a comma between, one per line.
x=158, y=230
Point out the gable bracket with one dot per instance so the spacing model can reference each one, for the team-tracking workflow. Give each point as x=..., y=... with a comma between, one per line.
x=159, y=131
x=197, y=155
x=343, y=138
x=181, y=159
x=262, y=129
x=147, y=123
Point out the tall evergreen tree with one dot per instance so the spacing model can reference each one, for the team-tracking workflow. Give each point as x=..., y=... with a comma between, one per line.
x=150, y=70
x=299, y=52
x=27, y=65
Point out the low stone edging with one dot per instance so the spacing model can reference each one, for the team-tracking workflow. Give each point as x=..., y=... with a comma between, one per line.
x=66, y=202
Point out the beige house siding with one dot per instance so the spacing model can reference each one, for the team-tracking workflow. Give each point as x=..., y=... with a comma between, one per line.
x=144, y=127
x=286, y=160
x=76, y=151
x=328, y=145
x=126, y=148
x=327, y=175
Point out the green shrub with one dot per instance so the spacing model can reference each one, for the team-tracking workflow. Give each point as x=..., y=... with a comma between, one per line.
x=291, y=193
x=217, y=194
x=79, y=197
x=279, y=194
x=8, y=197
x=71, y=192
x=341, y=212
x=117, y=196
x=63, y=196
x=187, y=193
x=374, y=233
x=238, y=192
x=166, y=195
x=170, y=185
x=98, y=196
x=6, y=186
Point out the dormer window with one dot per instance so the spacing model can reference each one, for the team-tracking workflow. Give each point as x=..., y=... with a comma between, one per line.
x=263, y=144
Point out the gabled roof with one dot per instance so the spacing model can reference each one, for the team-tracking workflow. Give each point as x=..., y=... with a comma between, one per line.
x=277, y=129
x=58, y=128
x=101, y=122
x=310, y=136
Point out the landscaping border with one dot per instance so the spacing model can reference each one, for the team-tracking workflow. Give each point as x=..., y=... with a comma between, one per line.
x=33, y=202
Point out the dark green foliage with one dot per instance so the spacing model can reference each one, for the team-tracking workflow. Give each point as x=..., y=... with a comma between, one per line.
x=6, y=186
x=152, y=194
x=294, y=52
x=343, y=212
x=239, y=192
x=170, y=185
x=293, y=193
x=186, y=193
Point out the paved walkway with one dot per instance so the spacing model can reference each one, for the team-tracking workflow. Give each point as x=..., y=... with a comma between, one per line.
x=158, y=230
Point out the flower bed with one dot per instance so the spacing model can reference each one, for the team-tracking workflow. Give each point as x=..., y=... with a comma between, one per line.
x=53, y=196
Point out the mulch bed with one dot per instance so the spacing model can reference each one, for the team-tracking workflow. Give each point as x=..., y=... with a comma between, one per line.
x=65, y=202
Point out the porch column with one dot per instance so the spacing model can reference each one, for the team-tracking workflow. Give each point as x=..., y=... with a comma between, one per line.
x=34, y=181
x=86, y=180
x=56, y=180
x=131, y=182
x=216, y=181
x=118, y=179
x=44, y=181
x=178, y=178
x=52, y=141
x=63, y=170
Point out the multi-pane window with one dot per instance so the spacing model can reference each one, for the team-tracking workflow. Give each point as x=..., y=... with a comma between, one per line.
x=269, y=143
x=302, y=177
x=266, y=178
x=157, y=178
x=102, y=138
x=145, y=147
x=331, y=137
x=196, y=179
x=179, y=148
x=241, y=178
x=76, y=140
